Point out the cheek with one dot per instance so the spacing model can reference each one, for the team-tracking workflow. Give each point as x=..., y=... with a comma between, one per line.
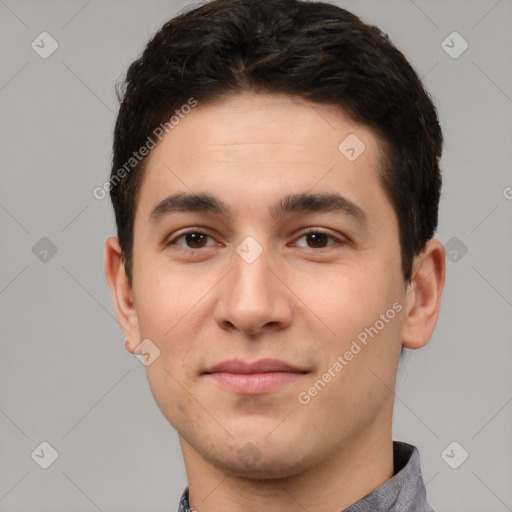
x=357, y=305
x=346, y=298
x=160, y=302
x=167, y=308
x=175, y=404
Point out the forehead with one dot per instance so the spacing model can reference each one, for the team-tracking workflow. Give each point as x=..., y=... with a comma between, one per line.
x=253, y=148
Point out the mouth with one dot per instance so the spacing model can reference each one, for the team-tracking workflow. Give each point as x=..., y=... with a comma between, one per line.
x=260, y=376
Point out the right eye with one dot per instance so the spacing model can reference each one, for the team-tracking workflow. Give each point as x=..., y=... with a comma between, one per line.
x=191, y=240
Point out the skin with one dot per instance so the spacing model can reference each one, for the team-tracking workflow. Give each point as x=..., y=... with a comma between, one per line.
x=202, y=304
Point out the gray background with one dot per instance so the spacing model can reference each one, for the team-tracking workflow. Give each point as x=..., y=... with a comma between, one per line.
x=65, y=376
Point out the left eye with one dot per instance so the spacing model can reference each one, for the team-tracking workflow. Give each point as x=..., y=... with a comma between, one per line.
x=318, y=239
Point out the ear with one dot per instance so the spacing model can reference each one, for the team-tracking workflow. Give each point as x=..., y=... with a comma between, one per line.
x=122, y=293
x=423, y=296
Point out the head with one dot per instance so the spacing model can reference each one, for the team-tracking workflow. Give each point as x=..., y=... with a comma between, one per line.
x=302, y=154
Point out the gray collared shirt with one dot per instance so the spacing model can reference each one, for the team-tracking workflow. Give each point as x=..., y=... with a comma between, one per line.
x=403, y=492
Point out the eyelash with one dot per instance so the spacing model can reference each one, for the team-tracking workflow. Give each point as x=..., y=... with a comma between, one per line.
x=305, y=233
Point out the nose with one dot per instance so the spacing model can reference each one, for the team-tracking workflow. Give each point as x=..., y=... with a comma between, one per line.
x=253, y=297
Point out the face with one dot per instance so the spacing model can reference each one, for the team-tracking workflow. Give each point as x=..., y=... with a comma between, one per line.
x=313, y=283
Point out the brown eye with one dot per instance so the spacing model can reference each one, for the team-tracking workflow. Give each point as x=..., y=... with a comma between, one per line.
x=195, y=240
x=192, y=240
x=317, y=239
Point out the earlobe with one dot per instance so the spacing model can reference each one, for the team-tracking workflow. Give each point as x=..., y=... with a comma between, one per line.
x=423, y=298
x=121, y=293
x=132, y=347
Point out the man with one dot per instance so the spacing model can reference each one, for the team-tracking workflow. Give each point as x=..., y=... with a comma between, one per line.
x=276, y=183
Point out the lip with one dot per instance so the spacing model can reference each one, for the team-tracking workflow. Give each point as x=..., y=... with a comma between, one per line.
x=259, y=366
x=259, y=376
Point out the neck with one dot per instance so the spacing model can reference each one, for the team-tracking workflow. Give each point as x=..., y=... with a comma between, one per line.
x=351, y=471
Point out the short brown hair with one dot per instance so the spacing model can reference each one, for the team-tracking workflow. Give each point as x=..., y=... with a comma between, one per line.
x=313, y=50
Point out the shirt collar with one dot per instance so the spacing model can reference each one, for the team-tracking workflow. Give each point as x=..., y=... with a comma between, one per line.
x=403, y=492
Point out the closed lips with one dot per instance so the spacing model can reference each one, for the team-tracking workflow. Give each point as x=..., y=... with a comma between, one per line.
x=260, y=366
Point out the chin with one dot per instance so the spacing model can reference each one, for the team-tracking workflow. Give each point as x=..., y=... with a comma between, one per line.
x=261, y=470
x=249, y=462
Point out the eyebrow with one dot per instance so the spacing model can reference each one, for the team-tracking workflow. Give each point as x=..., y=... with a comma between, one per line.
x=320, y=202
